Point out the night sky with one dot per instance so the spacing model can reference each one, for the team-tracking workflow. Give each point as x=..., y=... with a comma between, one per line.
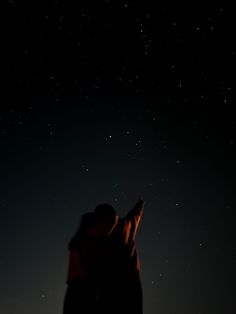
x=109, y=101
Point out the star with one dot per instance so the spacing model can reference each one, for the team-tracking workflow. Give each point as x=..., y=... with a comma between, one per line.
x=43, y=296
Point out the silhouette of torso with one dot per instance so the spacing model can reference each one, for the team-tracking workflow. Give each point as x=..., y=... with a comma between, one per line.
x=114, y=268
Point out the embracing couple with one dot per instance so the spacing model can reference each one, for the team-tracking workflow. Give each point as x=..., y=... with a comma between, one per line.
x=104, y=269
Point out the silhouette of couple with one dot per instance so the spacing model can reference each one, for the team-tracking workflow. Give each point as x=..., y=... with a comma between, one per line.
x=104, y=269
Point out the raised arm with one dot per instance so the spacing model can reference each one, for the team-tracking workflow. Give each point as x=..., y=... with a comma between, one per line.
x=133, y=219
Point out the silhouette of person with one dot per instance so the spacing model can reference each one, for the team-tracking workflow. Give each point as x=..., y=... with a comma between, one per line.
x=116, y=264
x=104, y=268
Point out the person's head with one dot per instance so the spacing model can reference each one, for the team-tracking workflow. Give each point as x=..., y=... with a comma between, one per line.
x=104, y=211
x=106, y=217
x=87, y=221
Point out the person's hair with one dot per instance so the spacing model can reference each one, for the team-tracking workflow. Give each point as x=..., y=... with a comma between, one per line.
x=87, y=221
x=104, y=211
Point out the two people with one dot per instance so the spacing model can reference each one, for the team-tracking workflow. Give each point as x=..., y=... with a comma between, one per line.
x=104, y=268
